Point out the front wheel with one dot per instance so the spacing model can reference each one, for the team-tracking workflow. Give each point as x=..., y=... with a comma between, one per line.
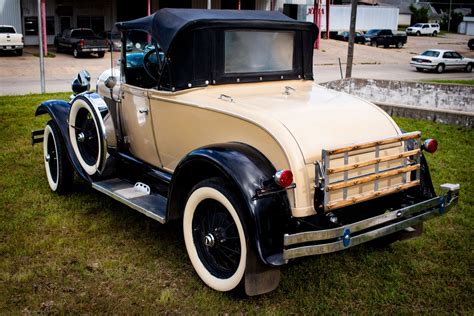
x=59, y=171
x=435, y=33
x=419, y=69
x=418, y=33
x=214, y=235
x=373, y=44
x=101, y=54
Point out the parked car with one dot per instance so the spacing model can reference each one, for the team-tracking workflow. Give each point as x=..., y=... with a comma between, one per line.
x=10, y=40
x=470, y=44
x=440, y=60
x=214, y=120
x=385, y=38
x=344, y=36
x=114, y=42
x=423, y=29
x=81, y=42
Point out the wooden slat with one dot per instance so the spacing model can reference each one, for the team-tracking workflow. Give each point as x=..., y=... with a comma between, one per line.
x=386, y=141
x=372, y=177
x=368, y=196
x=373, y=161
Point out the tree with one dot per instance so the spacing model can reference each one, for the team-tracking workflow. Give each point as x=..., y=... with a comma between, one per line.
x=418, y=15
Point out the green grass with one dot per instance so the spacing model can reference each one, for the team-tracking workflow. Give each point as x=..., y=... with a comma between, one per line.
x=446, y=81
x=86, y=253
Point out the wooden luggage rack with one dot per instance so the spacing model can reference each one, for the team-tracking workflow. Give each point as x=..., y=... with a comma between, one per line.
x=409, y=160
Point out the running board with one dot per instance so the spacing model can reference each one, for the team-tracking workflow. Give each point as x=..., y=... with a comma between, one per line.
x=152, y=205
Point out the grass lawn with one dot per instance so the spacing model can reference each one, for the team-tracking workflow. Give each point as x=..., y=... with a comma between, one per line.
x=86, y=253
x=447, y=81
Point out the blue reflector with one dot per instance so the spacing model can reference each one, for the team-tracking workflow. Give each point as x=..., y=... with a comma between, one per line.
x=346, y=237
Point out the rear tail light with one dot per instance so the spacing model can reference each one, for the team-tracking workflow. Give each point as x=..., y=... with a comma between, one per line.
x=81, y=43
x=430, y=145
x=284, y=178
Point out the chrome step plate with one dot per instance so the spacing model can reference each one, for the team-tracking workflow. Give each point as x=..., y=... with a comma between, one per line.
x=152, y=205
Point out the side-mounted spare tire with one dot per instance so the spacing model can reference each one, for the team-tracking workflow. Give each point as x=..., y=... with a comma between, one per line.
x=88, y=135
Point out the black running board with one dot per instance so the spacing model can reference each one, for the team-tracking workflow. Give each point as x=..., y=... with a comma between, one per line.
x=152, y=205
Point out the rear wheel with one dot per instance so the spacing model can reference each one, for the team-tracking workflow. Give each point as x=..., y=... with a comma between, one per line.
x=435, y=33
x=59, y=171
x=399, y=44
x=468, y=68
x=440, y=68
x=101, y=54
x=373, y=44
x=19, y=52
x=214, y=235
x=76, y=53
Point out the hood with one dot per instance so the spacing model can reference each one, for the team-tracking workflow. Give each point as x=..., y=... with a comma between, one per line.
x=316, y=117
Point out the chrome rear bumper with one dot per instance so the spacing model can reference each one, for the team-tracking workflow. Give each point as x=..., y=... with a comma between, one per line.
x=336, y=239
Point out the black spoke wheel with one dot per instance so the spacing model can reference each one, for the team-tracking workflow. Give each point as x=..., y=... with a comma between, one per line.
x=59, y=171
x=214, y=235
x=216, y=238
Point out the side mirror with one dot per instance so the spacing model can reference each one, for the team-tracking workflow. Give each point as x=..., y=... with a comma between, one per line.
x=82, y=82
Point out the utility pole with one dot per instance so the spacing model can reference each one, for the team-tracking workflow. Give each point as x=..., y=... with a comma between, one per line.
x=449, y=15
x=40, y=38
x=350, y=49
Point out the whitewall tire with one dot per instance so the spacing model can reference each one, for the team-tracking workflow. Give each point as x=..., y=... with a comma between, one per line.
x=59, y=171
x=87, y=136
x=214, y=236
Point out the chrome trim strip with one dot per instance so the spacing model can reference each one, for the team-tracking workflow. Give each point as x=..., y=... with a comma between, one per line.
x=435, y=207
x=130, y=204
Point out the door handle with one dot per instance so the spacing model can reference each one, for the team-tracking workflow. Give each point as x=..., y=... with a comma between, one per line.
x=143, y=111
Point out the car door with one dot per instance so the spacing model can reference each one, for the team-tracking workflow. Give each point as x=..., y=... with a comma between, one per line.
x=457, y=61
x=137, y=125
x=134, y=109
x=448, y=60
x=425, y=29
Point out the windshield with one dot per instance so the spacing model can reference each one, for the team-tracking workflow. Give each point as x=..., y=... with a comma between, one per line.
x=250, y=51
x=371, y=32
x=418, y=25
x=7, y=29
x=82, y=33
x=430, y=53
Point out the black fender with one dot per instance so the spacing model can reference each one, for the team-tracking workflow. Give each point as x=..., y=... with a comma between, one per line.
x=246, y=170
x=59, y=112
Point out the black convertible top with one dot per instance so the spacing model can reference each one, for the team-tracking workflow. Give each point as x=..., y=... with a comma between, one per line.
x=165, y=24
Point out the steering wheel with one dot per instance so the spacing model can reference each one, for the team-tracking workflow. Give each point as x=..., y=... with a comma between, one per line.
x=151, y=67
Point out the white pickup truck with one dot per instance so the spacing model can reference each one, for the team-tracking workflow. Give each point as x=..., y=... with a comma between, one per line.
x=10, y=40
x=423, y=29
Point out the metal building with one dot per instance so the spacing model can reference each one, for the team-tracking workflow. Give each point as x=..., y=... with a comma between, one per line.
x=100, y=15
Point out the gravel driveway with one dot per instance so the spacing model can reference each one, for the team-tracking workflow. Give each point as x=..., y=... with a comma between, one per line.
x=20, y=75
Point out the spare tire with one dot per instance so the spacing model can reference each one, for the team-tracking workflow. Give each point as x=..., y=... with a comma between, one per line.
x=88, y=135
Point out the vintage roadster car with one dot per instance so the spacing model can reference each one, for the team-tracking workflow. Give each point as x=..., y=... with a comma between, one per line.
x=213, y=119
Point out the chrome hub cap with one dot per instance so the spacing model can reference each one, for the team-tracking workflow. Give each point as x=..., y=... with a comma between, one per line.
x=209, y=240
x=81, y=137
